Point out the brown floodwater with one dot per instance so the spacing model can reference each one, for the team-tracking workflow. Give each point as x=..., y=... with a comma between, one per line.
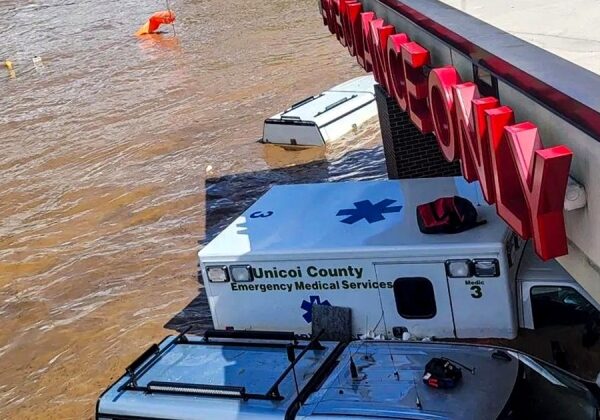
x=121, y=155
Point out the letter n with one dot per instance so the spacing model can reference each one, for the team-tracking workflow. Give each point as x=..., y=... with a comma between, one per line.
x=510, y=202
x=475, y=155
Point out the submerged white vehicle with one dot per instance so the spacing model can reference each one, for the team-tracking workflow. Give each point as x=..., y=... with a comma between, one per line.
x=275, y=375
x=357, y=245
x=319, y=119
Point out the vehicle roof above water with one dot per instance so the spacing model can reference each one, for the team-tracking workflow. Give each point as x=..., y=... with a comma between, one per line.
x=333, y=103
x=378, y=392
x=250, y=364
x=378, y=216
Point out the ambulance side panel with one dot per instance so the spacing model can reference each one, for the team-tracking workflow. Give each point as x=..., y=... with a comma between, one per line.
x=282, y=295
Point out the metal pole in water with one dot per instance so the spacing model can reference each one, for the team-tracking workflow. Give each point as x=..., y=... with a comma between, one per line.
x=172, y=24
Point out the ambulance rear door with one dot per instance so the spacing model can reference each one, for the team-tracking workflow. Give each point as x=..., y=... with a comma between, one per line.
x=419, y=298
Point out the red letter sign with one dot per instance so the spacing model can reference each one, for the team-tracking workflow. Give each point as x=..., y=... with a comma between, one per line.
x=351, y=10
x=525, y=181
x=355, y=22
x=414, y=58
x=379, y=35
x=337, y=20
x=544, y=175
x=509, y=197
x=365, y=28
x=328, y=17
x=441, y=82
x=395, y=66
x=475, y=155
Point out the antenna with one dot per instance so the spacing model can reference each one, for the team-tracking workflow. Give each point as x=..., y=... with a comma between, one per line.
x=418, y=400
x=396, y=374
x=382, y=314
x=353, y=370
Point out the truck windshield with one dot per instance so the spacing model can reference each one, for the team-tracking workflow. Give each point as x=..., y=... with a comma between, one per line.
x=542, y=391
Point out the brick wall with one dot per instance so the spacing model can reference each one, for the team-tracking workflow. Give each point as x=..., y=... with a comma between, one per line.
x=408, y=152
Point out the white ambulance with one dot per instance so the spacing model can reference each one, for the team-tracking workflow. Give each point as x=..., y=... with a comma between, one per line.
x=358, y=245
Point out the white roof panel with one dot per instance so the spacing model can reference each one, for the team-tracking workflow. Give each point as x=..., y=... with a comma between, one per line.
x=328, y=106
x=333, y=103
x=349, y=216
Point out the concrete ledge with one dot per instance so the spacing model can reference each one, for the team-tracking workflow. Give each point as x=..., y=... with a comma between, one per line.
x=558, y=96
x=564, y=88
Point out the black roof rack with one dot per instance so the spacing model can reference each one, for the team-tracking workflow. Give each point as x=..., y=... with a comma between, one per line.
x=335, y=104
x=250, y=335
x=147, y=359
x=303, y=101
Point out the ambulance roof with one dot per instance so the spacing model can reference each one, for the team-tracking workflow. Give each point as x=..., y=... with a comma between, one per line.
x=359, y=217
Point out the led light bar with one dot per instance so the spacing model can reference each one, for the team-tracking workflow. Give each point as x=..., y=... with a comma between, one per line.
x=192, y=389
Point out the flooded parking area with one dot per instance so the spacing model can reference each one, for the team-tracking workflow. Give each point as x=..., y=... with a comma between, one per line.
x=120, y=155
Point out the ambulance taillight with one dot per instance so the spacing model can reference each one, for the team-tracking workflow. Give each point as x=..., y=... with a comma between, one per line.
x=241, y=273
x=459, y=268
x=217, y=273
x=483, y=267
x=486, y=267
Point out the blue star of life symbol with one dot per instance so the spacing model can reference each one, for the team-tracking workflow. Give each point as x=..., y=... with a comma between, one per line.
x=370, y=212
x=307, y=306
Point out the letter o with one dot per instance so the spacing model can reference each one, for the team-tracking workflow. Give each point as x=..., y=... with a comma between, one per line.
x=443, y=113
x=395, y=68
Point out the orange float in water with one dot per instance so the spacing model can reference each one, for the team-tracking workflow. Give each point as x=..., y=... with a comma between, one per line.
x=159, y=18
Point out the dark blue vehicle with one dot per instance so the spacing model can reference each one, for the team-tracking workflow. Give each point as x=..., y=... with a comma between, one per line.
x=276, y=375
